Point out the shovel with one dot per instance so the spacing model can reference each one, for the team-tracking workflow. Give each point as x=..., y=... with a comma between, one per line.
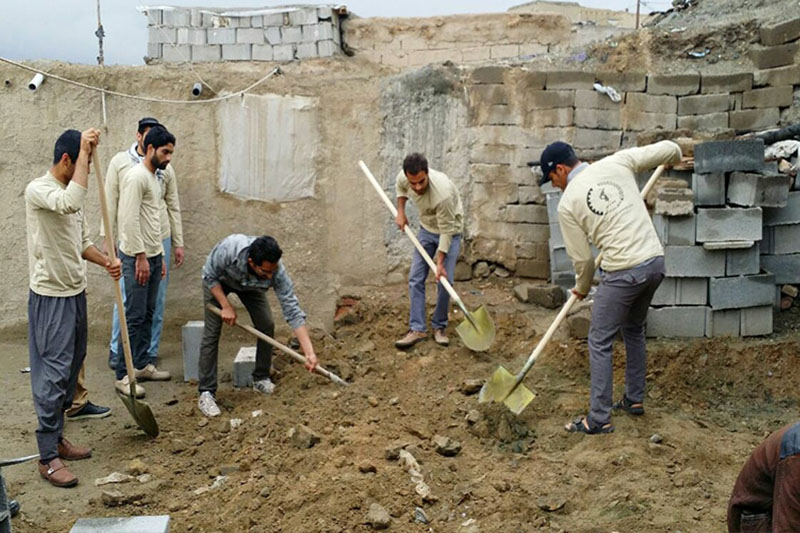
x=505, y=387
x=285, y=349
x=477, y=331
x=140, y=411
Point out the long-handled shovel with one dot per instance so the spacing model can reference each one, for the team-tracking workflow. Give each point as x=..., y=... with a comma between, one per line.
x=503, y=386
x=477, y=331
x=140, y=411
x=285, y=349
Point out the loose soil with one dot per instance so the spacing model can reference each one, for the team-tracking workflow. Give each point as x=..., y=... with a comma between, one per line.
x=712, y=401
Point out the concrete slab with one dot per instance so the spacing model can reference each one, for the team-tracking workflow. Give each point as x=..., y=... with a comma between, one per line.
x=191, y=337
x=243, y=366
x=132, y=524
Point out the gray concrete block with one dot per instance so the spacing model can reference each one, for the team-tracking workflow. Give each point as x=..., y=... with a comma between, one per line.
x=191, y=336
x=726, y=323
x=728, y=245
x=307, y=50
x=552, y=200
x=666, y=294
x=728, y=224
x=237, y=52
x=532, y=214
x=773, y=56
x=177, y=53
x=154, y=17
x=768, y=97
x=176, y=17
x=674, y=201
x=276, y=19
x=318, y=32
x=559, y=259
x=779, y=33
x=709, y=189
x=691, y=291
x=746, y=189
x=733, y=82
x=123, y=524
x=756, y=321
x=586, y=99
x=257, y=21
x=206, y=53
x=291, y=34
x=777, y=77
x=243, y=366
x=679, y=321
x=556, y=237
x=160, y=34
x=601, y=119
x=786, y=268
x=221, y=35
x=754, y=119
x=623, y=81
x=193, y=36
x=262, y=52
x=569, y=79
x=648, y=103
x=303, y=16
x=767, y=244
x=273, y=35
x=239, y=22
x=597, y=139
x=548, y=99
x=785, y=239
x=742, y=262
x=250, y=35
x=729, y=156
x=739, y=292
x=325, y=13
x=693, y=262
x=674, y=84
x=710, y=122
x=789, y=214
x=154, y=50
x=641, y=121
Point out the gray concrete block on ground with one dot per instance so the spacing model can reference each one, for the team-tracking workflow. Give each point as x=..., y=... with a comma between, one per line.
x=191, y=337
x=559, y=259
x=565, y=280
x=747, y=189
x=243, y=366
x=674, y=84
x=283, y=52
x=789, y=214
x=693, y=262
x=678, y=321
x=123, y=524
x=262, y=52
x=221, y=35
x=303, y=16
x=773, y=56
x=237, y=52
x=709, y=189
x=739, y=292
x=666, y=294
x=206, y=53
x=691, y=291
x=729, y=156
x=781, y=32
x=743, y=261
x=177, y=53
x=729, y=224
x=724, y=323
x=726, y=83
x=756, y=321
x=154, y=50
x=785, y=239
x=307, y=50
x=786, y=268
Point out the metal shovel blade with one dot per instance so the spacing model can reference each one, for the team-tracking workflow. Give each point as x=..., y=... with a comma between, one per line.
x=141, y=413
x=498, y=387
x=477, y=336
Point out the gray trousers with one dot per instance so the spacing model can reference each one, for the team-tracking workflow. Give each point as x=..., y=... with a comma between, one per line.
x=620, y=304
x=57, y=335
x=257, y=305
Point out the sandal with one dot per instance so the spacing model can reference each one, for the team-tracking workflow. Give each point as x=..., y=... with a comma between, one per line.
x=635, y=409
x=577, y=426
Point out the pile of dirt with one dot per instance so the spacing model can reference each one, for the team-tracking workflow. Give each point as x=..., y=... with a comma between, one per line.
x=317, y=457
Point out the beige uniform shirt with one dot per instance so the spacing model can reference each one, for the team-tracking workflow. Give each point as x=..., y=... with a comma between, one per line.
x=440, y=209
x=57, y=236
x=603, y=203
x=140, y=213
x=171, y=225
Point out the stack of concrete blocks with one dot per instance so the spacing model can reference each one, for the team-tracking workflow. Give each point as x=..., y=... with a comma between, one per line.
x=716, y=284
x=198, y=35
x=780, y=248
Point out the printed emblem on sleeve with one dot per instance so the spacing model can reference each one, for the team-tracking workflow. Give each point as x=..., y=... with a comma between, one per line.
x=604, y=197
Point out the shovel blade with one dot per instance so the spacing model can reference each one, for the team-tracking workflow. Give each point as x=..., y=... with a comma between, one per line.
x=480, y=335
x=519, y=399
x=497, y=387
x=141, y=413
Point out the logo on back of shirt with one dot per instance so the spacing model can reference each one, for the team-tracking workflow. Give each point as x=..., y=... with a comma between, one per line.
x=604, y=197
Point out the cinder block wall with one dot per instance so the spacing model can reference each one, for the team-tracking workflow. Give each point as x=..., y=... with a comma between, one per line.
x=200, y=35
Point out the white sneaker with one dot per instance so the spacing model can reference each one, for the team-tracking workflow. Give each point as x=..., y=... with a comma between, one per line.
x=124, y=387
x=207, y=405
x=151, y=373
x=264, y=386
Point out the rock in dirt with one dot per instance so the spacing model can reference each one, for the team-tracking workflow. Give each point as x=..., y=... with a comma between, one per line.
x=463, y=272
x=481, y=270
x=420, y=517
x=303, y=437
x=548, y=296
x=392, y=451
x=113, y=477
x=446, y=446
x=471, y=386
x=579, y=320
x=656, y=438
x=265, y=492
x=501, y=272
x=137, y=467
x=367, y=467
x=373, y=401
x=178, y=446
x=378, y=517
x=550, y=503
x=473, y=417
x=203, y=422
x=115, y=498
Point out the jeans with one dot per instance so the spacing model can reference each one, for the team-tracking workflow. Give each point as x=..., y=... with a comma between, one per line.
x=140, y=305
x=258, y=307
x=416, y=282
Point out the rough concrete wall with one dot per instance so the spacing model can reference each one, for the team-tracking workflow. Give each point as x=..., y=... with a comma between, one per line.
x=316, y=261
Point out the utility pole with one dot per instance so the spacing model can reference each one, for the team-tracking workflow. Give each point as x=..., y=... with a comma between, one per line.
x=638, y=4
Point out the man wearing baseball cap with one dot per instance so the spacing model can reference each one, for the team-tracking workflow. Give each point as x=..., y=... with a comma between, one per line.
x=602, y=205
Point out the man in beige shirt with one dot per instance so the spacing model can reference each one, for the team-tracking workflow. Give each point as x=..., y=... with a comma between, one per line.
x=602, y=205
x=142, y=251
x=442, y=222
x=58, y=244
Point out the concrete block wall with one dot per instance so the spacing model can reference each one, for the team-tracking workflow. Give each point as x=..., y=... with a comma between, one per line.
x=201, y=35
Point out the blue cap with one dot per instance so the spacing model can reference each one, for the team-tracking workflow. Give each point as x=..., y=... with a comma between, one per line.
x=554, y=154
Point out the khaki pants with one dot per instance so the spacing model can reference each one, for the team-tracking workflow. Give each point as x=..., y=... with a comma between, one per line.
x=81, y=397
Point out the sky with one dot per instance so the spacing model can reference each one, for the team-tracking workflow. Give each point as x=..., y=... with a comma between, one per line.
x=64, y=29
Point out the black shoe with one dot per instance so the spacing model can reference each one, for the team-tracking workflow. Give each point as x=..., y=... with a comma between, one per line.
x=13, y=507
x=113, y=359
x=90, y=410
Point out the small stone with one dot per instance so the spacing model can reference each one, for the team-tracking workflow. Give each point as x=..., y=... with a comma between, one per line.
x=550, y=503
x=473, y=417
x=420, y=517
x=198, y=440
x=178, y=446
x=113, y=477
x=367, y=468
x=203, y=422
x=144, y=478
x=471, y=386
x=373, y=401
x=113, y=498
x=171, y=401
x=136, y=467
x=789, y=290
x=481, y=270
x=446, y=446
x=303, y=437
x=656, y=438
x=236, y=422
x=265, y=492
x=257, y=413
x=228, y=469
x=392, y=451
x=378, y=517
x=394, y=401
x=501, y=272
x=463, y=272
